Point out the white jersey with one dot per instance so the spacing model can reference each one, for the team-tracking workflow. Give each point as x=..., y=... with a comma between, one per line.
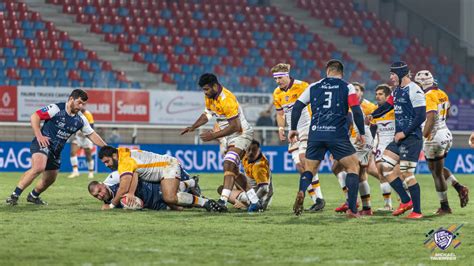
x=149, y=166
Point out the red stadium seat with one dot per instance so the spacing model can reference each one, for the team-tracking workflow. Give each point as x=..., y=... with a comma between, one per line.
x=11, y=74
x=153, y=68
x=21, y=62
x=74, y=75
x=34, y=63
x=106, y=66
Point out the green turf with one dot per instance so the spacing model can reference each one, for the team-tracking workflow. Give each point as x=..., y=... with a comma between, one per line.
x=73, y=230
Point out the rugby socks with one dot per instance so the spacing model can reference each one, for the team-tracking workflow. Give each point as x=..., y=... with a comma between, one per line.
x=397, y=185
x=341, y=178
x=415, y=197
x=90, y=164
x=312, y=193
x=34, y=194
x=443, y=199
x=189, y=199
x=454, y=182
x=364, y=190
x=317, y=186
x=74, y=163
x=252, y=196
x=352, y=183
x=225, y=195
x=17, y=191
x=305, y=181
x=386, y=192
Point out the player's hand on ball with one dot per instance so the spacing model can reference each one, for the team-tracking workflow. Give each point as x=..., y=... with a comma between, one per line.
x=239, y=205
x=43, y=141
x=293, y=136
x=187, y=130
x=105, y=207
x=399, y=136
x=207, y=135
x=360, y=140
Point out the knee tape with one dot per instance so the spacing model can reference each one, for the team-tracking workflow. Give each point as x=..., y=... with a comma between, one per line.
x=406, y=166
x=232, y=157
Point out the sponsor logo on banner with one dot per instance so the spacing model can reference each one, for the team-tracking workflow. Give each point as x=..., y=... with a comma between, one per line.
x=170, y=107
x=8, y=103
x=33, y=98
x=100, y=104
x=132, y=106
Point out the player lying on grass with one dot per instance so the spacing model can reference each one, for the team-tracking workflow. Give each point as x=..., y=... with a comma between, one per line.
x=149, y=193
x=150, y=167
x=257, y=177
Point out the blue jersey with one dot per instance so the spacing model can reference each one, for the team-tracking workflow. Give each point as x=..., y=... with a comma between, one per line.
x=404, y=101
x=59, y=126
x=150, y=193
x=330, y=99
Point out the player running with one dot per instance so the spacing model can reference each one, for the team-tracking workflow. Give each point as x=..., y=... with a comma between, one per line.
x=61, y=121
x=223, y=105
x=330, y=99
x=79, y=141
x=408, y=101
x=284, y=97
x=438, y=139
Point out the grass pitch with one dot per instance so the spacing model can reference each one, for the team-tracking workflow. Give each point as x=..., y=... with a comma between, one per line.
x=72, y=230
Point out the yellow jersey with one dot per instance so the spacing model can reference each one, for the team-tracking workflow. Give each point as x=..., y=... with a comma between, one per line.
x=89, y=116
x=259, y=170
x=437, y=101
x=148, y=165
x=285, y=99
x=367, y=109
x=225, y=107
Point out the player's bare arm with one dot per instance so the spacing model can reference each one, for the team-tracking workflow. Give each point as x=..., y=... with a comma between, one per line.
x=35, y=124
x=96, y=139
x=429, y=125
x=234, y=126
x=281, y=124
x=133, y=188
x=125, y=182
x=202, y=120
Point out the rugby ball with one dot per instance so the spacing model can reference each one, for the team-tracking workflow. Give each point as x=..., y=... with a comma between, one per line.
x=136, y=203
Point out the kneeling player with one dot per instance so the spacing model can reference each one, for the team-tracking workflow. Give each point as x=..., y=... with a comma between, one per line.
x=150, y=167
x=257, y=177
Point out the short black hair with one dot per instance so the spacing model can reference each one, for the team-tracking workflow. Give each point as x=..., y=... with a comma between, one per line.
x=386, y=89
x=78, y=93
x=107, y=151
x=91, y=185
x=255, y=142
x=208, y=79
x=358, y=84
x=335, y=65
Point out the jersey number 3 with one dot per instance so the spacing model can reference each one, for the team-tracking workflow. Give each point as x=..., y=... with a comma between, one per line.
x=328, y=99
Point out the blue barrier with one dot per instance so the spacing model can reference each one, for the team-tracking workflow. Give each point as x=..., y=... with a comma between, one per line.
x=16, y=157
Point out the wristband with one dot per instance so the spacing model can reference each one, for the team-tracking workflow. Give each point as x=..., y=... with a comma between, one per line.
x=281, y=128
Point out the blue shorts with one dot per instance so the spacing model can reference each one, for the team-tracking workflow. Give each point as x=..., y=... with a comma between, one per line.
x=339, y=149
x=408, y=149
x=54, y=161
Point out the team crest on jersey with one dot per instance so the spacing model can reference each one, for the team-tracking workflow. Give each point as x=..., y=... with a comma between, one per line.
x=287, y=98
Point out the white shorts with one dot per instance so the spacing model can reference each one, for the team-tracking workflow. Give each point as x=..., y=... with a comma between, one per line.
x=296, y=149
x=363, y=153
x=379, y=149
x=82, y=141
x=156, y=174
x=439, y=146
x=241, y=141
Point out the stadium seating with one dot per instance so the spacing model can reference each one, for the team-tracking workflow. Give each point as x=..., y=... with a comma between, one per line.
x=379, y=37
x=34, y=52
x=239, y=40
